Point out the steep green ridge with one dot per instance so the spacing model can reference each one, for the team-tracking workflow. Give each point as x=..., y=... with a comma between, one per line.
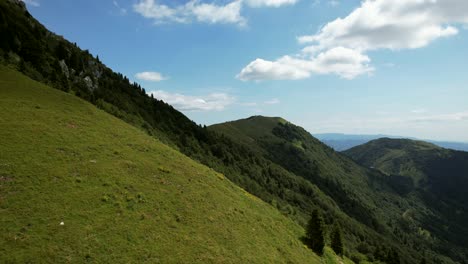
x=365, y=194
x=65, y=66
x=122, y=195
x=297, y=151
x=49, y=58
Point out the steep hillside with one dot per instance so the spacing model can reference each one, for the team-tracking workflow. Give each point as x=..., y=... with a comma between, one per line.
x=373, y=227
x=297, y=151
x=364, y=194
x=121, y=195
x=65, y=66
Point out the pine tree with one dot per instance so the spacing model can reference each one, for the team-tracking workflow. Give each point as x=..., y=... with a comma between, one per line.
x=316, y=233
x=393, y=257
x=337, y=240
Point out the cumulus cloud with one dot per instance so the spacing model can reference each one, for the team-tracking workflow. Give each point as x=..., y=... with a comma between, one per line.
x=340, y=46
x=196, y=10
x=285, y=68
x=150, y=76
x=210, y=102
x=344, y=62
x=385, y=24
x=213, y=14
x=192, y=10
x=270, y=3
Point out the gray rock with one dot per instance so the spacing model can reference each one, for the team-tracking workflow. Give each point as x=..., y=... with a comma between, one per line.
x=64, y=67
x=88, y=82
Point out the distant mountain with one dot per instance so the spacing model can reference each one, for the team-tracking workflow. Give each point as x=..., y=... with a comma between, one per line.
x=438, y=175
x=443, y=171
x=375, y=199
x=340, y=142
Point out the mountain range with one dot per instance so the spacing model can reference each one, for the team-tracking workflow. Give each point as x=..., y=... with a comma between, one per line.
x=340, y=142
x=93, y=169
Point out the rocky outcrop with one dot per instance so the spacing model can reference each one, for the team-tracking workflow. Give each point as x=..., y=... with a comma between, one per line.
x=64, y=68
x=88, y=82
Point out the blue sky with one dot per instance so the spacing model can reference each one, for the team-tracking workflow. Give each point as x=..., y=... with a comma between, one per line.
x=368, y=67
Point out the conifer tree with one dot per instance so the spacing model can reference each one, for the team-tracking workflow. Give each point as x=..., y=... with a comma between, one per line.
x=316, y=232
x=337, y=240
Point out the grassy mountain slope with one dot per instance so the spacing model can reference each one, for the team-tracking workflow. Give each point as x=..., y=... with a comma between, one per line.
x=122, y=195
x=364, y=194
x=65, y=66
x=48, y=58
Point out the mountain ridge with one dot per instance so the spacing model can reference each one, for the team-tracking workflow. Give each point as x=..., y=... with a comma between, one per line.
x=342, y=142
x=333, y=171
x=268, y=171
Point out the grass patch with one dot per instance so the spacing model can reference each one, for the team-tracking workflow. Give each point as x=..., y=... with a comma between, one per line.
x=121, y=195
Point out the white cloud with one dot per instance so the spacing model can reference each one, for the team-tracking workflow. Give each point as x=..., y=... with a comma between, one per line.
x=228, y=14
x=451, y=117
x=32, y=2
x=270, y=3
x=340, y=46
x=386, y=24
x=197, y=10
x=272, y=101
x=210, y=102
x=150, y=76
x=285, y=68
x=346, y=63
x=192, y=10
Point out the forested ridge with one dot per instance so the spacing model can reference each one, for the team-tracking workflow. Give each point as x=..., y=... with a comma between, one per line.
x=285, y=167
